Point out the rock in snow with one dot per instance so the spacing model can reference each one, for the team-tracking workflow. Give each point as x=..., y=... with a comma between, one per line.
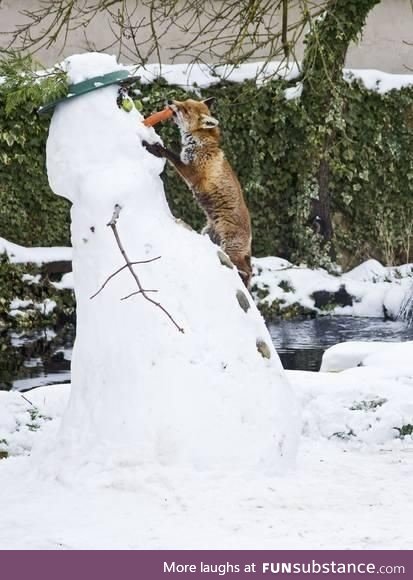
x=141, y=390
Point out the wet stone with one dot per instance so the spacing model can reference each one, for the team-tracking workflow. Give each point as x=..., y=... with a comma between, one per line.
x=263, y=348
x=183, y=224
x=225, y=261
x=243, y=301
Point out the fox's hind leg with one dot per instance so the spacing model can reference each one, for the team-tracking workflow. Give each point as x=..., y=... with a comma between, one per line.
x=243, y=264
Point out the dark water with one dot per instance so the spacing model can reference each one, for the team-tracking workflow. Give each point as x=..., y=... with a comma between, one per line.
x=32, y=359
x=301, y=343
x=29, y=360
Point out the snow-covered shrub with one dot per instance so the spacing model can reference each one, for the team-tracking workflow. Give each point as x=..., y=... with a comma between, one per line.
x=32, y=294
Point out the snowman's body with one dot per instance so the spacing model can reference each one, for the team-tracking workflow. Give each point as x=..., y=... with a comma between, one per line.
x=141, y=390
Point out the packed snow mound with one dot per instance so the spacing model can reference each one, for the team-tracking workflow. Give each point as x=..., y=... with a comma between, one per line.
x=362, y=407
x=368, y=271
x=24, y=417
x=79, y=69
x=389, y=355
x=214, y=396
x=368, y=398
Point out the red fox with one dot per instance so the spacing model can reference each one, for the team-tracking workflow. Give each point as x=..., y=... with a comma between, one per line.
x=202, y=165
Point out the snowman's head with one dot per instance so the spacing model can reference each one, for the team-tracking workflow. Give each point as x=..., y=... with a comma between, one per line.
x=90, y=132
x=101, y=71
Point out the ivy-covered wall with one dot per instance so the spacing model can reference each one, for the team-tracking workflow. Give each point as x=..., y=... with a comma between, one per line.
x=268, y=139
x=30, y=214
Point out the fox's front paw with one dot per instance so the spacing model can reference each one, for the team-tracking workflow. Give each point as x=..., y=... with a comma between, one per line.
x=154, y=148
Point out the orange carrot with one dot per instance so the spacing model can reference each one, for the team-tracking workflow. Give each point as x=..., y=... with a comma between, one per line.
x=157, y=117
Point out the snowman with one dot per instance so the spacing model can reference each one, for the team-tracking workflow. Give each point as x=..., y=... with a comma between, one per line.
x=172, y=363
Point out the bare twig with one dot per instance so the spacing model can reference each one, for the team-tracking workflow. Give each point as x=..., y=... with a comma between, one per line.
x=137, y=292
x=115, y=216
x=26, y=399
x=128, y=264
x=120, y=270
x=231, y=31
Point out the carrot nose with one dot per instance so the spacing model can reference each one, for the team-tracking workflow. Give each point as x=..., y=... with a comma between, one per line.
x=156, y=118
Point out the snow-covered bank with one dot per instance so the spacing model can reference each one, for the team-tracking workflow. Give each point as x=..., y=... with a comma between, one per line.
x=36, y=286
x=371, y=289
x=280, y=289
x=41, y=255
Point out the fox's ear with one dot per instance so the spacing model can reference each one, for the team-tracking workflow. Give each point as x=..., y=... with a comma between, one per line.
x=210, y=102
x=208, y=122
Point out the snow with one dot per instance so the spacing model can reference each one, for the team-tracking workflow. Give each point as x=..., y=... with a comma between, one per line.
x=66, y=283
x=48, y=379
x=20, y=307
x=376, y=354
x=29, y=279
x=16, y=303
x=293, y=92
x=368, y=271
x=200, y=75
x=375, y=290
x=19, y=254
x=190, y=398
x=22, y=417
x=346, y=491
x=203, y=75
x=378, y=81
x=18, y=339
x=368, y=409
x=78, y=70
x=340, y=500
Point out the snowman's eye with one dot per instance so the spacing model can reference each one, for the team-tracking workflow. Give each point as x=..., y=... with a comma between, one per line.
x=120, y=97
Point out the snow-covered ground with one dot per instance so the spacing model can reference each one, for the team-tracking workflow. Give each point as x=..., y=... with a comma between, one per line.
x=350, y=488
x=336, y=499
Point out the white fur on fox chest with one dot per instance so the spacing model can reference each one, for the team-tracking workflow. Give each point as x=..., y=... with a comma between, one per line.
x=189, y=148
x=192, y=149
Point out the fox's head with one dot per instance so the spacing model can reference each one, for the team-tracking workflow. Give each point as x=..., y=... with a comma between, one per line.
x=191, y=116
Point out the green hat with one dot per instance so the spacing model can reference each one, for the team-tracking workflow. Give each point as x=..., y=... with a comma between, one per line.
x=121, y=77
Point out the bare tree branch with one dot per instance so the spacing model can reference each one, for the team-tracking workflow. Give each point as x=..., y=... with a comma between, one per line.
x=120, y=270
x=137, y=292
x=129, y=265
x=219, y=31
